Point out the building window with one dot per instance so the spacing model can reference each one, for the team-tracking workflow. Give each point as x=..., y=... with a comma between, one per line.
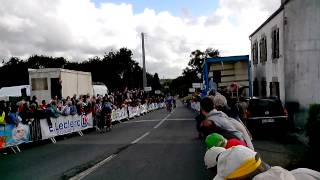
x=263, y=49
x=39, y=84
x=275, y=43
x=274, y=89
x=255, y=53
x=263, y=87
x=256, y=87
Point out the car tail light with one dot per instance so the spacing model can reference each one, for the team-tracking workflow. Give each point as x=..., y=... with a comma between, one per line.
x=285, y=111
x=247, y=114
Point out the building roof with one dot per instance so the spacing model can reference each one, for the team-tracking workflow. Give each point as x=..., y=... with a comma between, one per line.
x=268, y=20
x=283, y=3
x=228, y=58
x=14, y=91
x=46, y=70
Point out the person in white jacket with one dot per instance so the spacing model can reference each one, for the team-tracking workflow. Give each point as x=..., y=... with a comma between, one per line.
x=280, y=173
x=220, y=101
x=240, y=162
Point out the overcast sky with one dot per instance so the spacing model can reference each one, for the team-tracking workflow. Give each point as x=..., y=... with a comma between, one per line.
x=79, y=29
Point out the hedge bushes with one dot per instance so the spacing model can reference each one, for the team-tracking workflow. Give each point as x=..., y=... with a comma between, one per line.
x=313, y=126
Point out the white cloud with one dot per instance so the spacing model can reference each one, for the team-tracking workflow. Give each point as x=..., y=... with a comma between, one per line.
x=77, y=29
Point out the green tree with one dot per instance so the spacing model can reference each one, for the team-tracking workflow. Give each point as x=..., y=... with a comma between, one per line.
x=198, y=57
x=155, y=84
x=191, y=73
x=116, y=69
x=36, y=61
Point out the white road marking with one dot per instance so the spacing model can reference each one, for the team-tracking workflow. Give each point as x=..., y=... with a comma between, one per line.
x=154, y=120
x=141, y=137
x=181, y=119
x=145, y=120
x=93, y=168
x=99, y=164
x=156, y=126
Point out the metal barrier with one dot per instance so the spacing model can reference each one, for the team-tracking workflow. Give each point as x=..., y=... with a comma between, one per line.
x=38, y=129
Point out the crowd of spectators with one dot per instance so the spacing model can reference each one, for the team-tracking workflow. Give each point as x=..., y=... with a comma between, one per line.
x=27, y=111
x=230, y=151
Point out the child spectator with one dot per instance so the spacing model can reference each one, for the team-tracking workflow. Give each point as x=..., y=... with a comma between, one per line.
x=43, y=105
x=216, y=140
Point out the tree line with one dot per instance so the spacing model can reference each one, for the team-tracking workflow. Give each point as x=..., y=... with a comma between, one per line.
x=193, y=72
x=116, y=69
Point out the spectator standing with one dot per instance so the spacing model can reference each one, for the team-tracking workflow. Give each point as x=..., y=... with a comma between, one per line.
x=34, y=101
x=13, y=117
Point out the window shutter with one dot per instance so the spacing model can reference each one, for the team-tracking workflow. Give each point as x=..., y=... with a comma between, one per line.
x=265, y=49
x=272, y=44
x=257, y=52
x=278, y=49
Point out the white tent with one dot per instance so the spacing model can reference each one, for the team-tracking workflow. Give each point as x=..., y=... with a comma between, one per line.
x=100, y=89
x=13, y=91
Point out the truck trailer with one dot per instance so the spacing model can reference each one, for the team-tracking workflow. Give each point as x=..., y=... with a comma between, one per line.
x=47, y=83
x=228, y=72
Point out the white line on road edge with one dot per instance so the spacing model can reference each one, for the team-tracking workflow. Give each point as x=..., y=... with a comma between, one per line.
x=93, y=168
x=156, y=126
x=154, y=120
x=181, y=119
x=146, y=120
x=141, y=137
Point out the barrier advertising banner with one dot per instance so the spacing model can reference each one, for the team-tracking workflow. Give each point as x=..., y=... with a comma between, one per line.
x=144, y=109
x=119, y=114
x=133, y=111
x=11, y=135
x=65, y=125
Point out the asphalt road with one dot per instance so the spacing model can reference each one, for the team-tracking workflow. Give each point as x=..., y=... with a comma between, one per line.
x=159, y=145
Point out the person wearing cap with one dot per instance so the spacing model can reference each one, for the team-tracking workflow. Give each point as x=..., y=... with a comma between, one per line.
x=219, y=101
x=221, y=104
x=223, y=127
x=210, y=158
x=239, y=162
x=216, y=140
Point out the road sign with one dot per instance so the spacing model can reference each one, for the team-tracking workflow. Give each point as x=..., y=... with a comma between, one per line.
x=157, y=92
x=147, y=89
x=196, y=85
x=192, y=90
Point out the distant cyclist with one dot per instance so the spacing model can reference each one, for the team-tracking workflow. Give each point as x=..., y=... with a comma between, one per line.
x=169, y=103
x=106, y=111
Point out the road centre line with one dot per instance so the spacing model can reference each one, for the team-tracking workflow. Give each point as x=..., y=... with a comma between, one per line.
x=154, y=120
x=109, y=158
x=93, y=168
x=156, y=126
x=141, y=137
x=145, y=120
x=181, y=119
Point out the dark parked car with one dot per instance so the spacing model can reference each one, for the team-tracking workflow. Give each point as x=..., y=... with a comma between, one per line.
x=266, y=114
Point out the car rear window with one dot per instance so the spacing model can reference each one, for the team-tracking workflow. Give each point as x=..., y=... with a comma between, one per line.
x=260, y=106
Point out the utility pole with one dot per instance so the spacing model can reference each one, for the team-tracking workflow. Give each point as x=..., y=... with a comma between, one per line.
x=144, y=62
